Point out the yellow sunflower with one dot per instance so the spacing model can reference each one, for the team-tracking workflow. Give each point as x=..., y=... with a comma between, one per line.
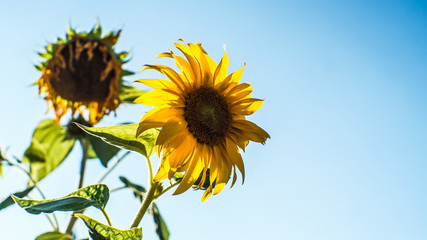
x=201, y=111
x=82, y=72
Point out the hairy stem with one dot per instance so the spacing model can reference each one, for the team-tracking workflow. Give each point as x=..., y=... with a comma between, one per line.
x=149, y=198
x=85, y=151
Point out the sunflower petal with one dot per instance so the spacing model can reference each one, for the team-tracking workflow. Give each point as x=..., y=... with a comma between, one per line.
x=169, y=130
x=156, y=98
x=193, y=171
x=221, y=70
x=250, y=131
x=157, y=83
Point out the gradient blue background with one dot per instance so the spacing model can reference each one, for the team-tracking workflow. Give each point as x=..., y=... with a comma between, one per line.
x=344, y=84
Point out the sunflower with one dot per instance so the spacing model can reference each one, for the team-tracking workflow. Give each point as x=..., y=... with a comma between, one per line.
x=82, y=72
x=201, y=111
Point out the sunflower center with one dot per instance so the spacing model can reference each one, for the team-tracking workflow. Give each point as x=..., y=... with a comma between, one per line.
x=82, y=71
x=208, y=115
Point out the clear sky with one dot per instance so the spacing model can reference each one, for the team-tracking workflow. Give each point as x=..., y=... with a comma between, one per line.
x=345, y=89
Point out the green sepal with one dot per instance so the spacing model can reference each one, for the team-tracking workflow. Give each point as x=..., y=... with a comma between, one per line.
x=47, y=55
x=8, y=201
x=104, y=151
x=128, y=94
x=49, y=148
x=96, y=32
x=179, y=176
x=94, y=195
x=123, y=136
x=99, y=231
x=126, y=72
x=54, y=236
x=122, y=55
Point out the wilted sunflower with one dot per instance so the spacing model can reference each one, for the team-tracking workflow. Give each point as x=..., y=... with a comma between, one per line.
x=82, y=72
x=202, y=114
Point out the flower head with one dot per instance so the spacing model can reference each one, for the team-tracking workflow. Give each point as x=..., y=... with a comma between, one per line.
x=201, y=111
x=82, y=72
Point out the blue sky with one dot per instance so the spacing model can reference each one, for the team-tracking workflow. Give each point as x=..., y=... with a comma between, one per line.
x=344, y=84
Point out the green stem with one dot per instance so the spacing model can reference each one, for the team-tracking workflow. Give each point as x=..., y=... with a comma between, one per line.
x=85, y=148
x=34, y=182
x=85, y=152
x=149, y=198
x=117, y=189
x=150, y=168
x=109, y=170
x=106, y=216
x=166, y=189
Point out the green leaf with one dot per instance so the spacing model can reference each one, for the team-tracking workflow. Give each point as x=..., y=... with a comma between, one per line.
x=160, y=224
x=132, y=185
x=49, y=147
x=123, y=136
x=129, y=94
x=103, y=150
x=9, y=201
x=94, y=195
x=91, y=153
x=99, y=231
x=54, y=236
x=138, y=191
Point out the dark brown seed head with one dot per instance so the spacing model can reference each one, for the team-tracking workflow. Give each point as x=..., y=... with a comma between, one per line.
x=208, y=115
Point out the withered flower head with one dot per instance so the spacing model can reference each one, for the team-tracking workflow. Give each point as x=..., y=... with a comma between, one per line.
x=82, y=72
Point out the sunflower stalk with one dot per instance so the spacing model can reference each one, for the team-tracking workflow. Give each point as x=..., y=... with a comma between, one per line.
x=149, y=198
x=85, y=152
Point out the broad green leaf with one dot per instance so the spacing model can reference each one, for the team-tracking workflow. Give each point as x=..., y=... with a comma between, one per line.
x=129, y=94
x=99, y=231
x=91, y=153
x=160, y=224
x=49, y=147
x=54, y=236
x=103, y=150
x=94, y=195
x=9, y=201
x=123, y=136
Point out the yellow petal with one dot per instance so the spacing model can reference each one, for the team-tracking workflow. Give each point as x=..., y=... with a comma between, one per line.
x=221, y=70
x=157, y=83
x=246, y=106
x=169, y=73
x=232, y=78
x=207, y=65
x=195, y=168
x=156, y=98
x=162, y=172
x=157, y=117
x=193, y=63
x=234, y=156
x=169, y=130
x=207, y=193
x=183, y=153
x=250, y=131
